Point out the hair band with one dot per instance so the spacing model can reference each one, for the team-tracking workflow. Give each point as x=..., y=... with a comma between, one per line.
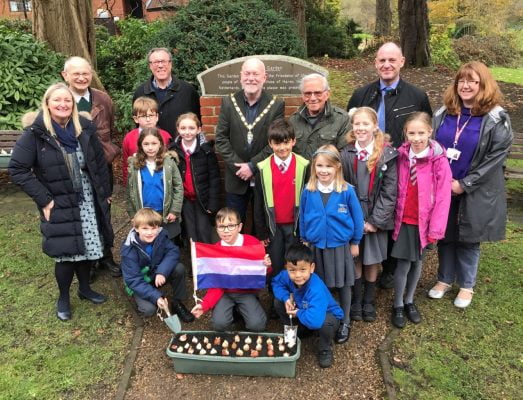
x=329, y=152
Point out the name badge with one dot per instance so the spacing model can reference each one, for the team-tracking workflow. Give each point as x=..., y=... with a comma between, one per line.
x=342, y=208
x=453, y=154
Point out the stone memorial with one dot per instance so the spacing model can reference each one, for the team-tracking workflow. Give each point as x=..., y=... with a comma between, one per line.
x=283, y=75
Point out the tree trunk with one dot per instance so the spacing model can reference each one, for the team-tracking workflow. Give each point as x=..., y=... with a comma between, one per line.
x=68, y=27
x=383, y=18
x=295, y=9
x=414, y=32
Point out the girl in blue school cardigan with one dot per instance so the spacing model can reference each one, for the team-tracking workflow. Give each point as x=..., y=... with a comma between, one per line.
x=331, y=221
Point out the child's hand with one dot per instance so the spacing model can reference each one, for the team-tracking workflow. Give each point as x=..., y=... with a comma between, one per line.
x=47, y=210
x=456, y=187
x=197, y=310
x=265, y=242
x=354, y=250
x=171, y=217
x=159, y=280
x=290, y=307
x=369, y=228
x=162, y=303
x=267, y=261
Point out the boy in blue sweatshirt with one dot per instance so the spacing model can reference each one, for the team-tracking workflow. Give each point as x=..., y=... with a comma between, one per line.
x=299, y=292
x=149, y=260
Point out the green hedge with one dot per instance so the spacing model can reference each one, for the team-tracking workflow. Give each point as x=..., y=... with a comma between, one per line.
x=27, y=68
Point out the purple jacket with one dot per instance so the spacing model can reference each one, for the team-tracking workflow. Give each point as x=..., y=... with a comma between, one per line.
x=434, y=190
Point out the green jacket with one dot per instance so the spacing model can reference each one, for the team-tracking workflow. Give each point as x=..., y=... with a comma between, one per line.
x=330, y=129
x=265, y=224
x=172, y=185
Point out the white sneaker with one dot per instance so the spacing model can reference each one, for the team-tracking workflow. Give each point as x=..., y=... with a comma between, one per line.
x=463, y=302
x=439, y=290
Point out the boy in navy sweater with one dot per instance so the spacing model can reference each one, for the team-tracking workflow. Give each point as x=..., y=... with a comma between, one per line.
x=149, y=260
x=301, y=293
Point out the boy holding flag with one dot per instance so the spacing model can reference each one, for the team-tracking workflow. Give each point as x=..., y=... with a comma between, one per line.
x=223, y=300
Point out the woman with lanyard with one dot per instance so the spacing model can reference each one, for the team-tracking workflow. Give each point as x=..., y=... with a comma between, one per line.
x=477, y=134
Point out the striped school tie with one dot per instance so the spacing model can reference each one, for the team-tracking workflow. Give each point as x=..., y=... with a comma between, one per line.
x=282, y=167
x=413, y=177
x=363, y=155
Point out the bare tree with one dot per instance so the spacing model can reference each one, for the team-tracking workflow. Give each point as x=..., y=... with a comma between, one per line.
x=383, y=18
x=414, y=32
x=68, y=27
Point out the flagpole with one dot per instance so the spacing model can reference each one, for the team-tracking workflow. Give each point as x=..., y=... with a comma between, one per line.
x=194, y=270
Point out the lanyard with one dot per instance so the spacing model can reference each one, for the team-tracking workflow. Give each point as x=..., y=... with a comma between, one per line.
x=458, y=130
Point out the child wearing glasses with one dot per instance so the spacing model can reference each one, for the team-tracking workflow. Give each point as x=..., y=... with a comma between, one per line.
x=224, y=302
x=145, y=114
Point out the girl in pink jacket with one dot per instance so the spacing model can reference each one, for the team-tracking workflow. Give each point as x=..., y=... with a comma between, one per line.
x=424, y=189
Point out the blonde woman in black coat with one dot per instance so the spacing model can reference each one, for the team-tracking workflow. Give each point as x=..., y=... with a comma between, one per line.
x=59, y=162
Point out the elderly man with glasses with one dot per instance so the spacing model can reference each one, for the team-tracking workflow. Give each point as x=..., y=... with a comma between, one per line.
x=174, y=96
x=317, y=122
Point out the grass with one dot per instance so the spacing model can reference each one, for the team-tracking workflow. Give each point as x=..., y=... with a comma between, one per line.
x=340, y=89
x=510, y=75
x=514, y=163
x=41, y=357
x=474, y=353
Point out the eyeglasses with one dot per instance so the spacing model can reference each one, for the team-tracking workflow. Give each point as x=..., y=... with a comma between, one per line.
x=223, y=228
x=81, y=74
x=317, y=93
x=147, y=117
x=470, y=83
x=159, y=62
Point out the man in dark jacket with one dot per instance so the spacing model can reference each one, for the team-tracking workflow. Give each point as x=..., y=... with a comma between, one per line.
x=78, y=74
x=241, y=134
x=174, y=96
x=394, y=100
x=317, y=122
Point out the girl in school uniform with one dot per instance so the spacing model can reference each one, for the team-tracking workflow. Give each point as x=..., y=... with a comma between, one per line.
x=369, y=163
x=155, y=182
x=332, y=222
x=424, y=187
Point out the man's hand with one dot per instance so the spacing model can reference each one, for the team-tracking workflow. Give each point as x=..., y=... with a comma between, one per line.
x=244, y=171
x=171, y=217
x=159, y=280
x=456, y=187
x=369, y=228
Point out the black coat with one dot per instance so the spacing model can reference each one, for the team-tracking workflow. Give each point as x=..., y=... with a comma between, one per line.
x=382, y=201
x=399, y=104
x=182, y=97
x=38, y=166
x=205, y=173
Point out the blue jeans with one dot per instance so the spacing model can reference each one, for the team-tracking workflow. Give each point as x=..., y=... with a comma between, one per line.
x=458, y=262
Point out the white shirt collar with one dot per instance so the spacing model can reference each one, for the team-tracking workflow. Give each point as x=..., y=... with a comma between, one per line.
x=278, y=160
x=86, y=96
x=325, y=189
x=421, y=154
x=238, y=242
x=369, y=148
x=192, y=147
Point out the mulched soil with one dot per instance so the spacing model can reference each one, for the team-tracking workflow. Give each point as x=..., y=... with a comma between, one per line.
x=356, y=373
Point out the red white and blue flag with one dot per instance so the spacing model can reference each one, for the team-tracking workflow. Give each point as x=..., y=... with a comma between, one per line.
x=228, y=267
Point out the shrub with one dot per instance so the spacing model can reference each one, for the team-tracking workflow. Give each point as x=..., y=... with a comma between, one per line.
x=326, y=35
x=499, y=50
x=208, y=32
x=441, y=50
x=27, y=68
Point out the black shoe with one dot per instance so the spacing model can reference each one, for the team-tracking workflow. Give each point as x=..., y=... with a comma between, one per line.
x=386, y=281
x=182, y=312
x=398, y=318
x=93, y=297
x=325, y=358
x=355, y=312
x=412, y=313
x=63, y=311
x=343, y=333
x=369, y=312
